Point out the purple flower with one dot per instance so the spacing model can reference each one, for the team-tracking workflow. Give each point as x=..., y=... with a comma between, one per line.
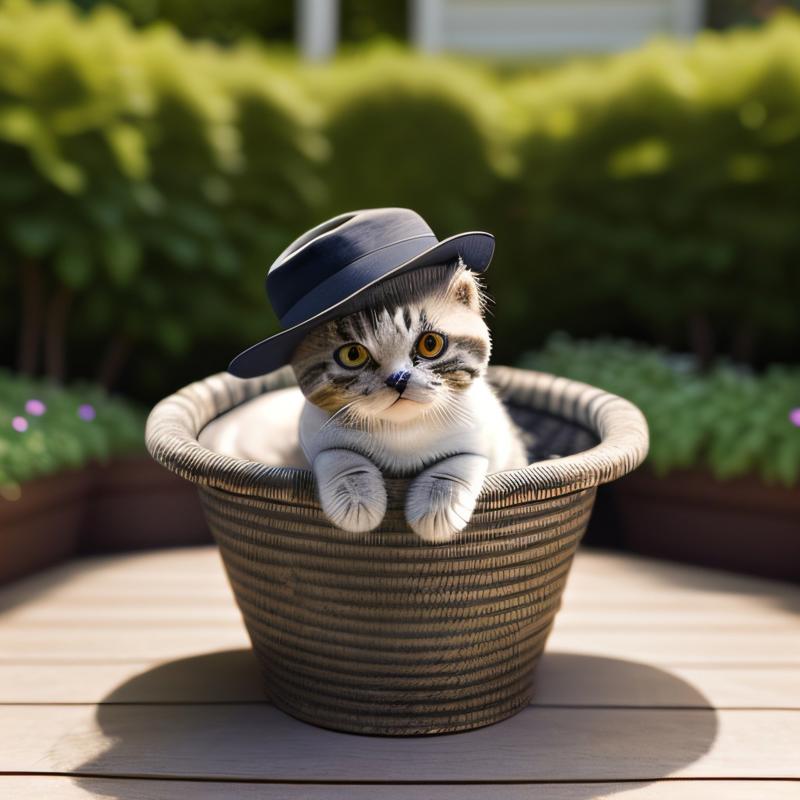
x=86, y=412
x=35, y=407
x=19, y=424
x=794, y=417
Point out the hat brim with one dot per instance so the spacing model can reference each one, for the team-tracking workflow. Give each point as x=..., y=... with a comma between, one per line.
x=475, y=248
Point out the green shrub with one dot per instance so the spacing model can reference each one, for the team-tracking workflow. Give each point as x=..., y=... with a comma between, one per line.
x=405, y=130
x=149, y=182
x=729, y=419
x=137, y=197
x=273, y=21
x=658, y=191
x=68, y=429
x=211, y=19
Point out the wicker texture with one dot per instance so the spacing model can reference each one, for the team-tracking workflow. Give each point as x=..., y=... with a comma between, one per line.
x=381, y=632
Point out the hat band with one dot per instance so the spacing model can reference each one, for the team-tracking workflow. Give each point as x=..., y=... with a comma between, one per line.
x=356, y=275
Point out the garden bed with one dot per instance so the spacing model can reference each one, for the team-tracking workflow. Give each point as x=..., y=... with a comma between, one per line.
x=40, y=522
x=136, y=504
x=721, y=486
x=739, y=524
x=129, y=503
x=74, y=475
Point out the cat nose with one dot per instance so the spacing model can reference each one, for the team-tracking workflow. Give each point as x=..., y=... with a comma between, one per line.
x=398, y=380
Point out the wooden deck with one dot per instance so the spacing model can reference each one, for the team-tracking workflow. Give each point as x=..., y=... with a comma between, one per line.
x=130, y=677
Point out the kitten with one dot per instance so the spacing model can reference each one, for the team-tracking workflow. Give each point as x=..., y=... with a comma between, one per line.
x=398, y=388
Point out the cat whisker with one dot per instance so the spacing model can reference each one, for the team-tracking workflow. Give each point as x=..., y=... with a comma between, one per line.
x=343, y=411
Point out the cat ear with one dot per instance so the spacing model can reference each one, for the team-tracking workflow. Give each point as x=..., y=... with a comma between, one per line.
x=464, y=289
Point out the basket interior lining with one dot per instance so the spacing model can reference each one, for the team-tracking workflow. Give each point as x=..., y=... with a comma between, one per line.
x=548, y=435
x=264, y=430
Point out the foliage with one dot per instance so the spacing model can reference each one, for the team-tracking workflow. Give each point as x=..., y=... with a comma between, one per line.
x=363, y=19
x=649, y=194
x=729, y=419
x=223, y=22
x=724, y=13
x=232, y=20
x=149, y=181
x=59, y=432
x=144, y=180
x=411, y=131
x=660, y=188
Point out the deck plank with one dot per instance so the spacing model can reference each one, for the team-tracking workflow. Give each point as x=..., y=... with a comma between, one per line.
x=654, y=671
x=598, y=579
x=258, y=742
x=98, y=611
x=142, y=641
x=562, y=679
x=61, y=788
x=731, y=613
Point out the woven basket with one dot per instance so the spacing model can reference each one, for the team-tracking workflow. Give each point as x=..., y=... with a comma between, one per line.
x=382, y=633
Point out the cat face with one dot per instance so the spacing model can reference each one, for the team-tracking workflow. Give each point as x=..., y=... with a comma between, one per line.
x=411, y=353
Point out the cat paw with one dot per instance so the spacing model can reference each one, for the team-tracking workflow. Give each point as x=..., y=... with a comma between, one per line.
x=351, y=490
x=438, y=508
x=441, y=499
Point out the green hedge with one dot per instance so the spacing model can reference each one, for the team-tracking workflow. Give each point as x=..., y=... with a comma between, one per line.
x=406, y=130
x=148, y=182
x=229, y=21
x=224, y=22
x=728, y=419
x=661, y=188
x=145, y=184
x=46, y=428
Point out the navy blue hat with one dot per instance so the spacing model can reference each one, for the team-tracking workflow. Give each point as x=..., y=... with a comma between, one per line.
x=330, y=265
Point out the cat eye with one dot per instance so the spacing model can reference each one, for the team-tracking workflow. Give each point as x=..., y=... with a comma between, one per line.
x=352, y=355
x=431, y=344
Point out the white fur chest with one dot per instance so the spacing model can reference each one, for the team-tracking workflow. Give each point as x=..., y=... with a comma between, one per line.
x=478, y=426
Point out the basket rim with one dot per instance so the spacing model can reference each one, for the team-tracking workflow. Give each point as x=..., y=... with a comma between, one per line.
x=175, y=423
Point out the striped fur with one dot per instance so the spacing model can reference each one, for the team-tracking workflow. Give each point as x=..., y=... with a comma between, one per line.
x=444, y=424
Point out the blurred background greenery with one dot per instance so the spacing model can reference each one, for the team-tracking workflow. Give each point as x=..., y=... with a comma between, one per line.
x=157, y=154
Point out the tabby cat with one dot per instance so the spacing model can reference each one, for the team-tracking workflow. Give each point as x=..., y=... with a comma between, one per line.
x=398, y=388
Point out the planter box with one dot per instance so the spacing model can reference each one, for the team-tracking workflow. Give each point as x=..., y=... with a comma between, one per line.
x=137, y=504
x=130, y=503
x=42, y=527
x=741, y=524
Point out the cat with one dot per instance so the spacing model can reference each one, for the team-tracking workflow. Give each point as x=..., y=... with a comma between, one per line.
x=398, y=388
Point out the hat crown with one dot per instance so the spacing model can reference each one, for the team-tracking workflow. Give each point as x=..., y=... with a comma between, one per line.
x=320, y=273
x=318, y=255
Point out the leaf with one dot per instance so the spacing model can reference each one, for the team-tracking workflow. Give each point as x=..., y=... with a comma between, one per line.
x=130, y=149
x=786, y=463
x=17, y=187
x=18, y=124
x=122, y=257
x=173, y=336
x=184, y=250
x=148, y=198
x=33, y=235
x=69, y=177
x=73, y=265
x=102, y=212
